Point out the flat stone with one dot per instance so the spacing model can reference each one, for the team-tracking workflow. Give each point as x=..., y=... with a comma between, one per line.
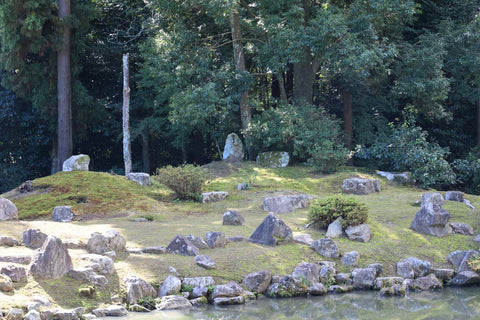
x=15, y=273
x=360, y=186
x=359, y=233
x=155, y=250
x=199, y=281
x=326, y=248
x=205, y=261
x=141, y=178
x=303, y=239
x=455, y=196
x=214, y=196
x=273, y=159
x=18, y=258
x=8, y=241
x=286, y=203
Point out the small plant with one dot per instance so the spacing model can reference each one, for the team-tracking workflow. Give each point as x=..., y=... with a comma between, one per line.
x=249, y=176
x=324, y=212
x=186, y=180
x=147, y=302
x=187, y=288
x=474, y=263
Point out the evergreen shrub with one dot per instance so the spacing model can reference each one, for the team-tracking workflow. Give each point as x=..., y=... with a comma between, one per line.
x=324, y=212
x=186, y=180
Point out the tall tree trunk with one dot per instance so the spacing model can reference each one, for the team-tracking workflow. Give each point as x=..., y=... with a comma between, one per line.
x=303, y=70
x=281, y=84
x=64, y=89
x=245, y=111
x=478, y=119
x=127, y=154
x=347, y=120
x=146, y=150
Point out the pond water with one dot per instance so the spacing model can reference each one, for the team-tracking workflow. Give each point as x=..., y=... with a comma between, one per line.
x=450, y=303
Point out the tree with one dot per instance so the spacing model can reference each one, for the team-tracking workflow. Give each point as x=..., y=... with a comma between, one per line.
x=127, y=153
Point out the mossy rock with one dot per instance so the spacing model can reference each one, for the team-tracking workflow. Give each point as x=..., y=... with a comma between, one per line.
x=273, y=159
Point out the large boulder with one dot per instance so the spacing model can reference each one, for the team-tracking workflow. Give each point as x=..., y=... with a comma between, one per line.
x=363, y=278
x=350, y=258
x=233, y=148
x=52, y=261
x=141, y=178
x=360, y=186
x=8, y=210
x=233, y=218
x=273, y=159
x=109, y=241
x=34, y=238
x=424, y=283
x=171, y=285
x=359, y=233
x=181, y=245
x=215, y=239
x=231, y=289
x=455, y=196
x=287, y=203
x=465, y=278
x=271, y=231
x=214, y=196
x=326, y=247
x=258, y=281
x=308, y=271
x=431, y=219
x=99, y=263
x=413, y=267
x=137, y=288
x=173, y=302
x=76, y=163
x=288, y=286
x=88, y=275
x=15, y=273
x=334, y=229
x=62, y=214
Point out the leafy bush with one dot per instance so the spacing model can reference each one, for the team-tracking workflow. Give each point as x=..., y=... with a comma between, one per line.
x=324, y=212
x=308, y=131
x=468, y=173
x=186, y=180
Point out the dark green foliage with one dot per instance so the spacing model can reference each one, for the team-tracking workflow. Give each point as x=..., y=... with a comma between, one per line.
x=468, y=173
x=186, y=180
x=324, y=212
x=147, y=302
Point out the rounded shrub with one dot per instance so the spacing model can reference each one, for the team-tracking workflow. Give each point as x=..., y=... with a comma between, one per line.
x=186, y=180
x=324, y=212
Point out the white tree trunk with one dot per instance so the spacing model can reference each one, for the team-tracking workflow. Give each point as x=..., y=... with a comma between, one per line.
x=127, y=154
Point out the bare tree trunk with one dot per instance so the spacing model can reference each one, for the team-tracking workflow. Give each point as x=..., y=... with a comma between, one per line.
x=478, y=119
x=281, y=84
x=64, y=89
x=127, y=154
x=245, y=111
x=347, y=120
x=145, y=150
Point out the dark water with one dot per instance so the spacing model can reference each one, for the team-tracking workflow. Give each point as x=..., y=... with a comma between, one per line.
x=451, y=303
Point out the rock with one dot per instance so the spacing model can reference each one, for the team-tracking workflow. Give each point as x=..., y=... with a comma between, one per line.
x=465, y=278
x=455, y=196
x=137, y=308
x=199, y=282
x=111, y=311
x=171, y=285
x=334, y=229
x=214, y=196
x=226, y=301
x=173, y=302
x=360, y=186
x=339, y=289
x=420, y=268
x=468, y=204
x=42, y=301
x=32, y=315
x=34, y=238
x=386, y=282
x=198, y=292
x=327, y=272
x=137, y=288
x=14, y=314
x=77, y=163
x=15, y=273
x=205, y=261
x=403, y=177
x=231, y=289
x=233, y=148
x=155, y=250
x=198, y=301
x=8, y=210
x=444, y=274
x=287, y=203
x=344, y=278
x=6, y=284
x=258, y=281
x=52, y=261
x=432, y=198
x=307, y=271
x=20, y=258
x=8, y=241
x=394, y=290
x=237, y=239
x=288, y=286
x=141, y=178
x=461, y=228
x=378, y=267
x=271, y=231
x=216, y=239
x=62, y=214
x=303, y=239
x=233, y=218
x=464, y=266
x=363, y=278
x=317, y=289
x=326, y=247
x=88, y=275
x=456, y=257
x=26, y=187
x=431, y=219
x=359, y=233
x=109, y=241
x=405, y=270
x=198, y=242
x=63, y=314
x=350, y=258
x=273, y=159
x=99, y=263
x=477, y=239
x=74, y=244
x=424, y=283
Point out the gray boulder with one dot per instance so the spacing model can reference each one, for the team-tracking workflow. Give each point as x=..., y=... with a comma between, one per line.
x=317, y=289
x=326, y=247
x=214, y=196
x=288, y=286
x=8, y=241
x=198, y=292
x=385, y=282
x=420, y=268
x=444, y=274
x=173, y=302
x=271, y=231
x=432, y=198
x=198, y=242
x=199, y=281
x=109, y=241
x=456, y=257
x=424, y=283
x=258, y=281
x=141, y=178
x=360, y=186
x=461, y=228
x=14, y=314
x=363, y=278
x=233, y=218
x=465, y=278
x=15, y=273
x=378, y=267
x=137, y=288
x=52, y=261
x=464, y=266
x=287, y=203
x=17, y=258
x=110, y=311
x=34, y=238
x=303, y=239
x=273, y=159
x=431, y=219
x=8, y=210
x=77, y=163
x=216, y=239
x=344, y=279
x=205, y=261
x=233, y=148
x=171, y=285
x=307, y=271
x=181, y=245
x=62, y=214
x=32, y=315
x=88, y=275
x=99, y=263
x=455, y=196
x=231, y=289
x=405, y=270
x=327, y=271
x=350, y=258
x=359, y=233
x=26, y=187
x=334, y=229
x=6, y=284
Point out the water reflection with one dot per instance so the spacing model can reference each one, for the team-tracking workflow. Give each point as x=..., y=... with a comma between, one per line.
x=449, y=304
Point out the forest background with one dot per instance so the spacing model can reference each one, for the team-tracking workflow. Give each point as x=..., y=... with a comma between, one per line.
x=385, y=84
